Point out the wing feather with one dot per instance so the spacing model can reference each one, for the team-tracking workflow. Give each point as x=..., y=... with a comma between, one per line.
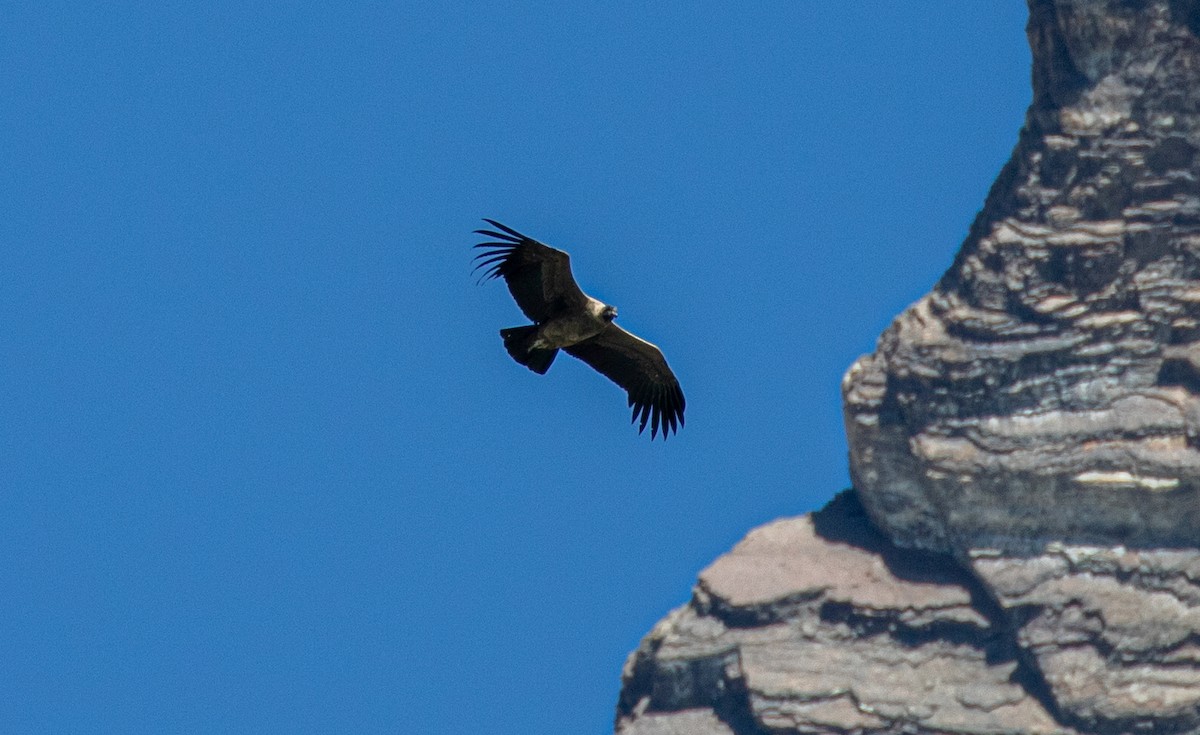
x=537, y=275
x=640, y=368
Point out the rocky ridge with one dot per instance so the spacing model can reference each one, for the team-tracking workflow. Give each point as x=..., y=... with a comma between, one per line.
x=1019, y=553
x=1048, y=388
x=820, y=624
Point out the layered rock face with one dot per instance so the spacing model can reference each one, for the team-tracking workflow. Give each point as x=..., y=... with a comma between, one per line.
x=1049, y=387
x=1026, y=440
x=820, y=625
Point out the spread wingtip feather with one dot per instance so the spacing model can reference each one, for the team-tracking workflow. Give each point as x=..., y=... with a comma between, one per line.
x=506, y=228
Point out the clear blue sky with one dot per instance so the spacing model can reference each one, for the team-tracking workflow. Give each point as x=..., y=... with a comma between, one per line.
x=266, y=466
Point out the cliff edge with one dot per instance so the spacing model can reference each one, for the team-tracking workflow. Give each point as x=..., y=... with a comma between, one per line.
x=1020, y=552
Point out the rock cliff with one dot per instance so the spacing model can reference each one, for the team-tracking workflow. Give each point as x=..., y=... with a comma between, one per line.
x=1019, y=553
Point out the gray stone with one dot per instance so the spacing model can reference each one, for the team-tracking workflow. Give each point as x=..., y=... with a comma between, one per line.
x=818, y=624
x=1038, y=413
x=1048, y=388
x=1115, y=633
x=1027, y=439
x=687, y=722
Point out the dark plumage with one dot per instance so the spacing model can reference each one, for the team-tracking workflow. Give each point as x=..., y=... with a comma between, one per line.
x=564, y=317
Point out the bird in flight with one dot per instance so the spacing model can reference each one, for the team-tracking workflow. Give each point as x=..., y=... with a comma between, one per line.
x=565, y=318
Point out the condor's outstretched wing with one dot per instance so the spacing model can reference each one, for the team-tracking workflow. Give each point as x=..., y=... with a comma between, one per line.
x=538, y=276
x=640, y=368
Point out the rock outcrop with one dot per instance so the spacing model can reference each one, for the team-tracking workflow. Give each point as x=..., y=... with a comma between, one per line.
x=1048, y=388
x=819, y=624
x=1021, y=550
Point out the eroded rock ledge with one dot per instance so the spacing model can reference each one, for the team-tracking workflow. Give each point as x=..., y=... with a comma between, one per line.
x=1048, y=388
x=818, y=624
x=1026, y=440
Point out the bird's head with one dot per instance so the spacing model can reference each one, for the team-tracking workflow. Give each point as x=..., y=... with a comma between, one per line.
x=609, y=313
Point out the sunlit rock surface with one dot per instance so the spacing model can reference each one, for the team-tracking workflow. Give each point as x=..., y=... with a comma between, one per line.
x=1048, y=388
x=1114, y=633
x=1021, y=553
x=818, y=624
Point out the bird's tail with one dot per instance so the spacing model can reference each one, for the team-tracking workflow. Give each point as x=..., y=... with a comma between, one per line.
x=519, y=343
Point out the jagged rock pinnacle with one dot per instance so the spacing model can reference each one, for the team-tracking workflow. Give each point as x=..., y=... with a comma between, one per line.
x=1021, y=550
x=1048, y=388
